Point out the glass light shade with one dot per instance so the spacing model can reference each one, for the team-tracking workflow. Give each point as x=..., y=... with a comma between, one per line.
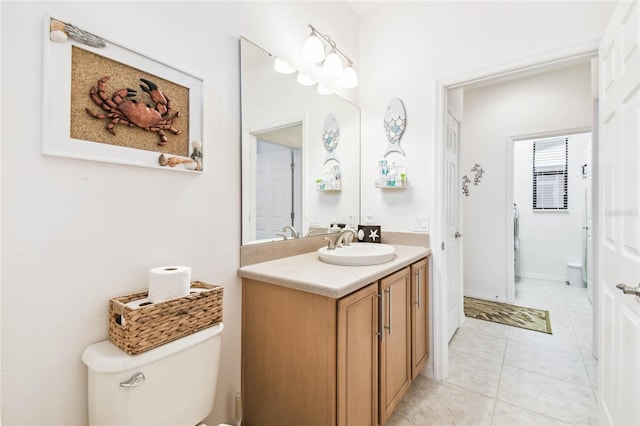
x=323, y=90
x=349, y=78
x=313, y=50
x=283, y=67
x=305, y=80
x=332, y=65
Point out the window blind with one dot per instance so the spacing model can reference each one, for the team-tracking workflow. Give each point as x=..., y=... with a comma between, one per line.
x=550, y=168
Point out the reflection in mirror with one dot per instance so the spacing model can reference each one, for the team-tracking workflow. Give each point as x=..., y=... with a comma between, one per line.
x=278, y=178
x=284, y=156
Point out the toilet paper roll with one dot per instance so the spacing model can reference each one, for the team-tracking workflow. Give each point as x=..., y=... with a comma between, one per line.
x=169, y=282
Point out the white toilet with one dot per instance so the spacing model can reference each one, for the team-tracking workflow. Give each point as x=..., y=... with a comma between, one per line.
x=173, y=384
x=574, y=272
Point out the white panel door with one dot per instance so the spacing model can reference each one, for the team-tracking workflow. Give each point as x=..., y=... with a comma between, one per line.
x=454, y=282
x=273, y=193
x=587, y=227
x=619, y=215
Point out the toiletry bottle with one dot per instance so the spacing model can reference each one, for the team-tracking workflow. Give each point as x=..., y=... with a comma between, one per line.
x=391, y=178
x=336, y=176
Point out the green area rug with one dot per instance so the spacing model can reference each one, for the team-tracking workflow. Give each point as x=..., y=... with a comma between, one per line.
x=502, y=313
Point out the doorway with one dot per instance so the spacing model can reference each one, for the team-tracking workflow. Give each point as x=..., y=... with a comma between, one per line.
x=549, y=61
x=552, y=215
x=544, y=105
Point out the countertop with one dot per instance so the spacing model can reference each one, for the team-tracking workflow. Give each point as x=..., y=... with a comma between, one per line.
x=306, y=272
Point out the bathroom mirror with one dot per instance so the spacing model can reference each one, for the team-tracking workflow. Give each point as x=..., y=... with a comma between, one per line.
x=288, y=175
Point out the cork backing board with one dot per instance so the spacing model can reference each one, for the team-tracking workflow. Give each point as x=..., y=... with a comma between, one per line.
x=72, y=67
x=87, y=68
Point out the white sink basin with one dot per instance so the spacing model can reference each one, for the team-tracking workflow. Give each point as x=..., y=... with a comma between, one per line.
x=358, y=254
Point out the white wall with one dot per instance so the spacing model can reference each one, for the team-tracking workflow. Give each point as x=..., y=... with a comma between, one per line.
x=76, y=233
x=550, y=239
x=406, y=47
x=551, y=102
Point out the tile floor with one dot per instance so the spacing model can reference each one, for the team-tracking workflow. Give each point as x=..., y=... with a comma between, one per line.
x=501, y=375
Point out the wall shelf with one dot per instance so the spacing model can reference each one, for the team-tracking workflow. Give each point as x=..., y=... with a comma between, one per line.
x=331, y=180
x=402, y=185
x=324, y=187
x=393, y=177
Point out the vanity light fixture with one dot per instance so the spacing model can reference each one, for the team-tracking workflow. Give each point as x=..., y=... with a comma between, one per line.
x=349, y=78
x=332, y=65
x=305, y=80
x=283, y=67
x=313, y=50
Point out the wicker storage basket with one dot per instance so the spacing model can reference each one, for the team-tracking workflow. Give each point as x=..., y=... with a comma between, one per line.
x=140, y=328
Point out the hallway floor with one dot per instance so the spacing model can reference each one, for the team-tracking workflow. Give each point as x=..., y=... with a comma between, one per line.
x=501, y=375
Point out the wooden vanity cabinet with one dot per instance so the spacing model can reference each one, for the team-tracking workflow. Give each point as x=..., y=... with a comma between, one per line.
x=314, y=360
x=288, y=356
x=419, y=316
x=395, y=341
x=358, y=337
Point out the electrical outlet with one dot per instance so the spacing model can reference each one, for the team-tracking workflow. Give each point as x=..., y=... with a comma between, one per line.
x=370, y=219
x=421, y=223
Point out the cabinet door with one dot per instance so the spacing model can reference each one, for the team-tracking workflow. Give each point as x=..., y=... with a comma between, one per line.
x=419, y=316
x=395, y=342
x=288, y=356
x=358, y=358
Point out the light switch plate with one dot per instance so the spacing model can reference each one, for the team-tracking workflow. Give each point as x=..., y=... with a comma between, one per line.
x=421, y=223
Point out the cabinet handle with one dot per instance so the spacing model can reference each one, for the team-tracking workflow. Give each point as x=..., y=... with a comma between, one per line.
x=380, y=305
x=417, y=302
x=388, y=291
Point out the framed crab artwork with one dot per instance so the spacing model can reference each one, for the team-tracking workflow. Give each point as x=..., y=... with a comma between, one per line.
x=105, y=102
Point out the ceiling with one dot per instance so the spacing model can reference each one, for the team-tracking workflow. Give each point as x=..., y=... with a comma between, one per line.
x=362, y=7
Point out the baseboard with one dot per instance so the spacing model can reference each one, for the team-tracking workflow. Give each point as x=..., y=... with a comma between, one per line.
x=484, y=296
x=427, y=371
x=558, y=278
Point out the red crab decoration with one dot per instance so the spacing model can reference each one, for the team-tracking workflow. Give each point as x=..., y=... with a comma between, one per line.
x=123, y=108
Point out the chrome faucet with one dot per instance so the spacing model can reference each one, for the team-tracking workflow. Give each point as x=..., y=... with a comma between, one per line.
x=345, y=237
x=330, y=246
x=294, y=233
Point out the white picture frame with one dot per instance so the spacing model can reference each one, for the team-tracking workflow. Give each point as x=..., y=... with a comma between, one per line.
x=56, y=136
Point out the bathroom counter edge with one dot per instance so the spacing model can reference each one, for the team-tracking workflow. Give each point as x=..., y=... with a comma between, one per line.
x=306, y=272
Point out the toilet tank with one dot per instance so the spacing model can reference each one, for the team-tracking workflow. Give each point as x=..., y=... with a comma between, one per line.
x=178, y=388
